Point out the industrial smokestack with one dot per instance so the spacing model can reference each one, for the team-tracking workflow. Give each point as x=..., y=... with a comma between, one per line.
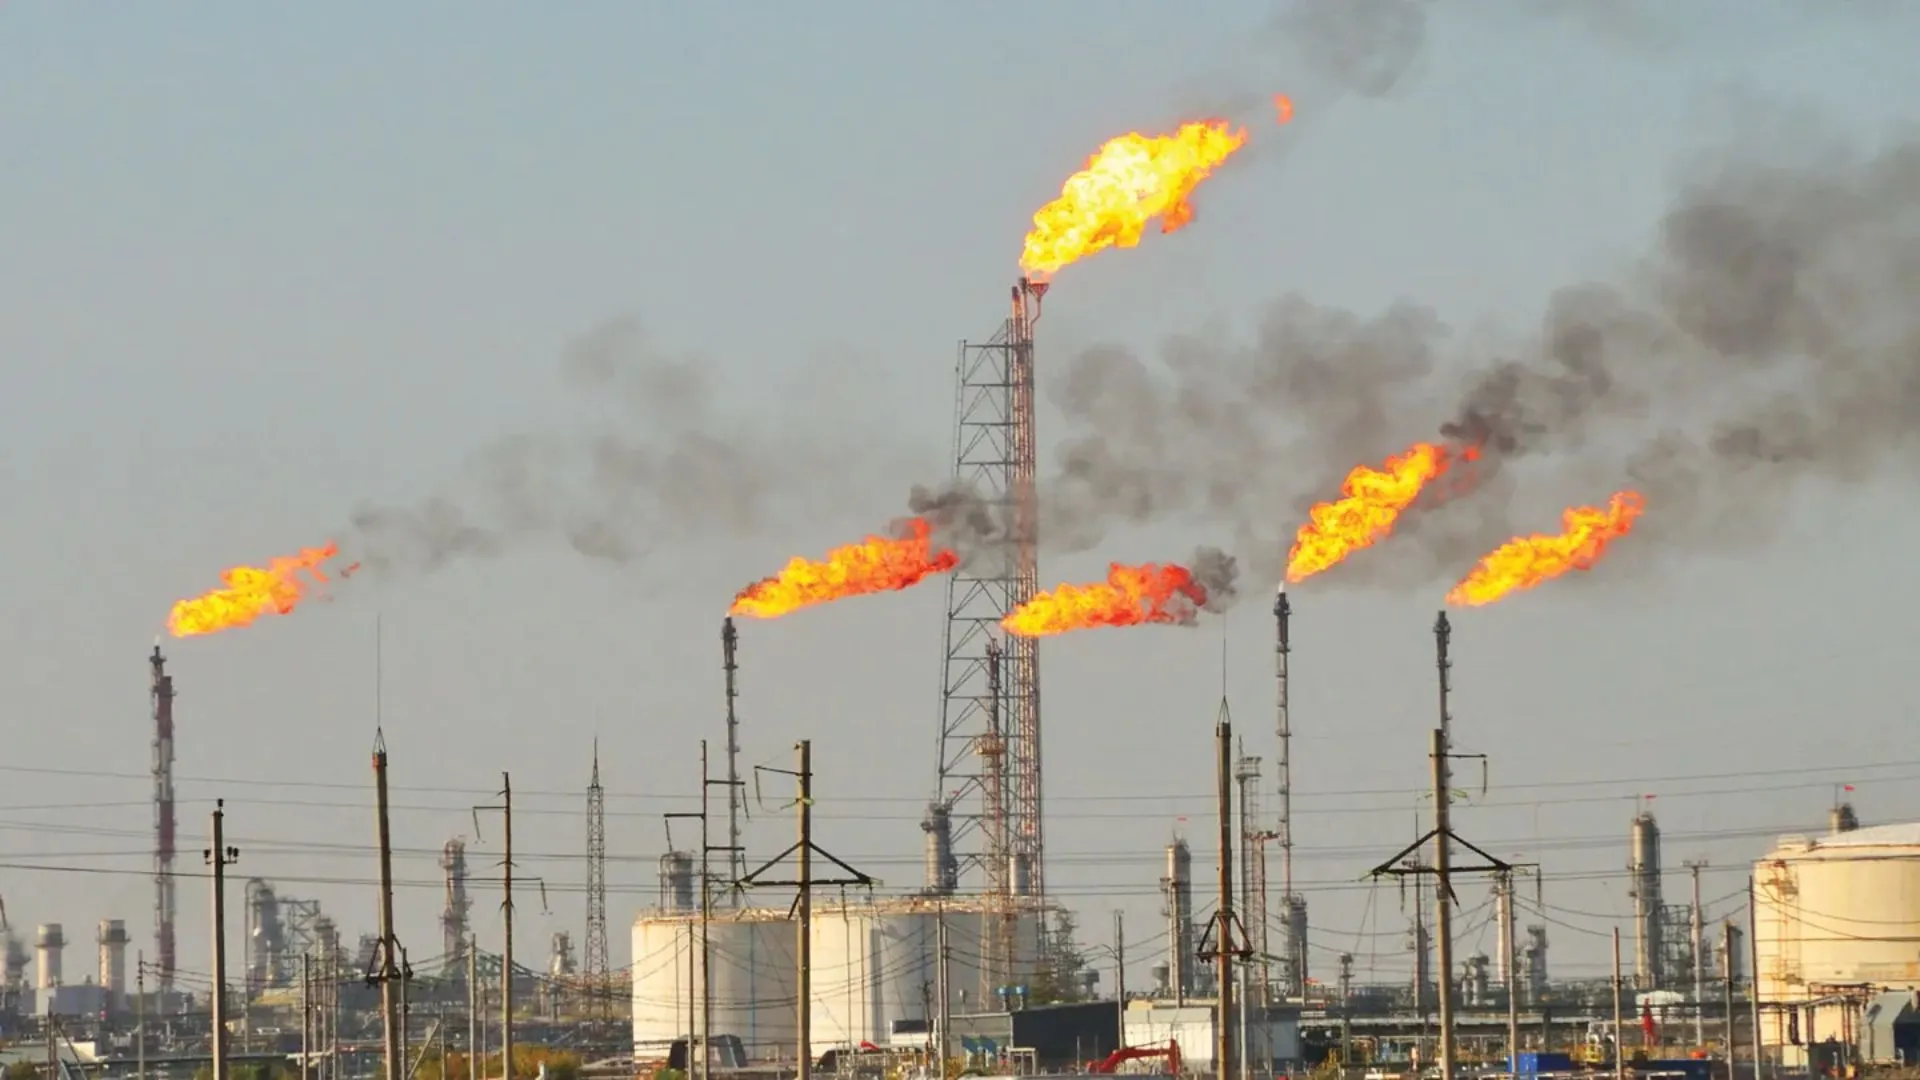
x=48, y=941
x=453, y=913
x=943, y=868
x=1644, y=875
x=1177, y=887
x=1293, y=966
x=113, y=959
x=676, y=881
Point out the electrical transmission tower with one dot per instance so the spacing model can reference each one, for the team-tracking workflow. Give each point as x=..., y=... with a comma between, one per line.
x=599, y=985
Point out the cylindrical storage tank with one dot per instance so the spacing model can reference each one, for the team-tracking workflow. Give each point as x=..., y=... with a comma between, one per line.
x=676, y=881
x=751, y=953
x=48, y=941
x=876, y=965
x=113, y=957
x=1842, y=909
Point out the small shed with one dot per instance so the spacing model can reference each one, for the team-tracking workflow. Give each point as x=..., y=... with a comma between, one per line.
x=1890, y=1029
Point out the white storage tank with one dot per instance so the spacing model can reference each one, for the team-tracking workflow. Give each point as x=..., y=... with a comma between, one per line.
x=875, y=966
x=752, y=956
x=1835, y=910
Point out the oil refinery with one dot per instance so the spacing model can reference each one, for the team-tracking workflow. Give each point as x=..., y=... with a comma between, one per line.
x=756, y=965
x=752, y=946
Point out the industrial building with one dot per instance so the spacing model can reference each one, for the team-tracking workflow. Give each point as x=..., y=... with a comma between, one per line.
x=1837, y=943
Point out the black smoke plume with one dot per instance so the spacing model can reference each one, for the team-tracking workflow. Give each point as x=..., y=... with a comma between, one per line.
x=1769, y=338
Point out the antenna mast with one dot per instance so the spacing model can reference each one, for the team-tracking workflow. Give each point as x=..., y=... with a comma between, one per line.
x=598, y=984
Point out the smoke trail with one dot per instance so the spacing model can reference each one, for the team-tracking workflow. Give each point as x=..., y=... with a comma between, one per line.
x=1768, y=338
x=661, y=460
x=1219, y=574
x=964, y=521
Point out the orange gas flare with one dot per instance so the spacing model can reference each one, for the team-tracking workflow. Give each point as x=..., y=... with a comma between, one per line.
x=1282, y=108
x=1131, y=595
x=1371, y=500
x=876, y=564
x=1130, y=181
x=1526, y=561
x=253, y=591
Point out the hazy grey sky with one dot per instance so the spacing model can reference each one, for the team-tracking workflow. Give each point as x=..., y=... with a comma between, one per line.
x=263, y=268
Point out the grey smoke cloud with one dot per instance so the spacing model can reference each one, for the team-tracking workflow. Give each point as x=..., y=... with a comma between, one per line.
x=1219, y=574
x=658, y=456
x=1768, y=338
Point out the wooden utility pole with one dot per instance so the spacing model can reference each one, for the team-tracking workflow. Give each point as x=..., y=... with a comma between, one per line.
x=505, y=806
x=803, y=850
x=335, y=1067
x=1443, y=907
x=1753, y=977
x=473, y=1008
x=1443, y=838
x=1619, y=1033
x=220, y=856
x=1120, y=972
x=1698, y=944
x=803, y=914
x=384, y=968
x=140, y=1013
x=942, y=967
x=1508, y=976
x=1726, y=953
x=1224, y=939
x=306, y=1015
x=506, y=909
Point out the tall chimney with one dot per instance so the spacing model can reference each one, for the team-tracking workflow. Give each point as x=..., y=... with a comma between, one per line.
x=48, y=942
x=113, y=959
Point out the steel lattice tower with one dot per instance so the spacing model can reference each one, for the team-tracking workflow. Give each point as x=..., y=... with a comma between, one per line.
x=599, y=986
x=163, y=823
x=990, y=734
